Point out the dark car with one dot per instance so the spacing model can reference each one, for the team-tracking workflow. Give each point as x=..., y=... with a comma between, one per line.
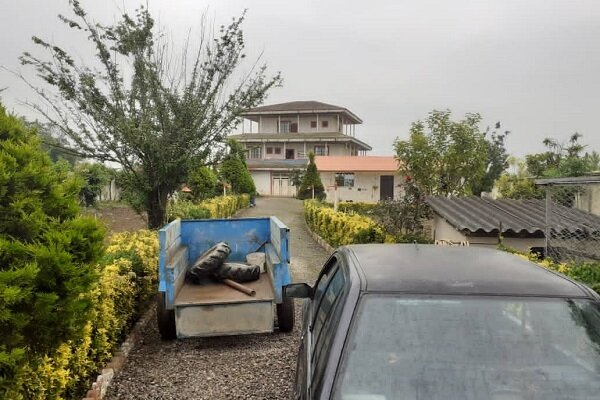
x=431, y=322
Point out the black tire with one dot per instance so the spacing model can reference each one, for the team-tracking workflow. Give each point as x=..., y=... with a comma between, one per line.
x=165, y=318
x=285, y=315
x=209, y=261
x=238, y=272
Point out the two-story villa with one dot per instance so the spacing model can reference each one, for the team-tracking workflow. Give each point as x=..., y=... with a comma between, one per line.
x=280, y=136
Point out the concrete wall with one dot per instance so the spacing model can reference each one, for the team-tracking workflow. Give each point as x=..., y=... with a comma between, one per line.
x=366, y=186
x=262, y=181
x=269, y=124
x=589, y=200
x=443, y=230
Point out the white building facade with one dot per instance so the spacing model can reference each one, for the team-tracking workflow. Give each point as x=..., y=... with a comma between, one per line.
x=279, y=137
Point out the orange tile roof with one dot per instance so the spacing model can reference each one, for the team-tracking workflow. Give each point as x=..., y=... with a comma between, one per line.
x=356, y=163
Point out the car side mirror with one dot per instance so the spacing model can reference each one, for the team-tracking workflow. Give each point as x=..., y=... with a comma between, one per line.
x=298, y=290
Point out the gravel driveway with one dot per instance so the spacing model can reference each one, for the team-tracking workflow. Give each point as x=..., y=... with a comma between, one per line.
x=234, y=367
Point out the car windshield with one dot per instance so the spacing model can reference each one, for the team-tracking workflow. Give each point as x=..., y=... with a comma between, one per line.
x=472, y=348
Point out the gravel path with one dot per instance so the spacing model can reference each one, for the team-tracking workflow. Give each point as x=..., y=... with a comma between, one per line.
x=235, y=367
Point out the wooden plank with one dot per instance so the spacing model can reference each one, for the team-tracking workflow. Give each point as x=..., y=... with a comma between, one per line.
x=218, y=293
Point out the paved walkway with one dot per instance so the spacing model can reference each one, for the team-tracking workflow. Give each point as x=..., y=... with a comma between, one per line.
x=235, y=367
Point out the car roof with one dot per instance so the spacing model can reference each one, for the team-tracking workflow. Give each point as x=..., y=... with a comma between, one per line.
x=430, y=269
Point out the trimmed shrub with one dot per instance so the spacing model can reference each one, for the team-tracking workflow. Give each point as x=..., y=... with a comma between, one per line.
x=217, y=207
x=234, y=171
x=338, y=228
x=127, y=280
x=47, y=251
x=356, y=207
x=310, y=180
x=203, y=182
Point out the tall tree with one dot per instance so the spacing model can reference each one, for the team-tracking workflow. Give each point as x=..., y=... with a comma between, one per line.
x=445, y=157
x=561, y=160
x=497, y=160
x=140, y=107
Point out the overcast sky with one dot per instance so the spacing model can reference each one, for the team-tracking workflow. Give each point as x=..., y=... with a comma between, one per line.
x=533, y=65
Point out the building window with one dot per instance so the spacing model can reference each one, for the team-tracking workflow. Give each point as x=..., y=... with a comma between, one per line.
x=324, y=124
x=269, y=150
x=344, y=179
x=284, y=127
x=254, y=152
x=321, y=151
x=277, y=150
x=313, y=124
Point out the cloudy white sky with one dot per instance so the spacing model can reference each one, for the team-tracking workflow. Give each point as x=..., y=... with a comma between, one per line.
x=533, y=65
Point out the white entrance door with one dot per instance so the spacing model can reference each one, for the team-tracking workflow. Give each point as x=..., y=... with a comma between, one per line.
x=281, y=185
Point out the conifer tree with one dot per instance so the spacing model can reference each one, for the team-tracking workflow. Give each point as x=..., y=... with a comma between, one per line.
x=311, y=180
x=47, y=251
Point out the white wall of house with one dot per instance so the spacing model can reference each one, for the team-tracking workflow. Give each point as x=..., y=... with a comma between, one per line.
x=443, y=230
x=269, y=124
x=366, y=186
x=335, y=149
x=262, y=181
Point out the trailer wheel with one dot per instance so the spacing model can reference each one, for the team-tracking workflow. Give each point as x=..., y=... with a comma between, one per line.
x=165, y=318
x=285, y=315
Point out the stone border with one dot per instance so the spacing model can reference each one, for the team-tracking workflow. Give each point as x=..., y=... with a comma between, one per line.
x=326, y=246
x=116, y=364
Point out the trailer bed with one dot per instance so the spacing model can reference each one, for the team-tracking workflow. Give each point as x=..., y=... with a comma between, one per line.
x=210, y=292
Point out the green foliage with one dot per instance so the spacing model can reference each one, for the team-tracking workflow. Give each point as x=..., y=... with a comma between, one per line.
x=403, y=219
x=54, y=143
x=203, y=182
x=446, y=157
x=47, y=251
x=518, y=185
x=234, y=171
x=127, y=281
x=497, y=160
x=217, y=207
x=95, y=177
x=136, y=110
x=560, y=160
x=338, y=228
x=357, y=207
x=311, y=181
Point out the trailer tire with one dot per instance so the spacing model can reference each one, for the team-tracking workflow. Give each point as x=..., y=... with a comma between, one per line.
x=165, y=318
x=285, y=315
x=209, y=261
x=238, y=272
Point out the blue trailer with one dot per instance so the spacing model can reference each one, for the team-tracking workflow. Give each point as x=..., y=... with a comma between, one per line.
x=185, y=309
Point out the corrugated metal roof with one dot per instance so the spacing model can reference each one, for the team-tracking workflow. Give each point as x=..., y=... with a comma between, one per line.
x=475, y=214
x=356, y=163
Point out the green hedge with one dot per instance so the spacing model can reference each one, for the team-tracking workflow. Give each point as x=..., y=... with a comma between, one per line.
x=338, y=228
x=217, y=207
x=356, y=207
x=127, y=281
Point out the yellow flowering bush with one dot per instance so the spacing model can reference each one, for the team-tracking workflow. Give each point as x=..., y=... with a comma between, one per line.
x=217, y=207
x=338, y=228
x=127, y=279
